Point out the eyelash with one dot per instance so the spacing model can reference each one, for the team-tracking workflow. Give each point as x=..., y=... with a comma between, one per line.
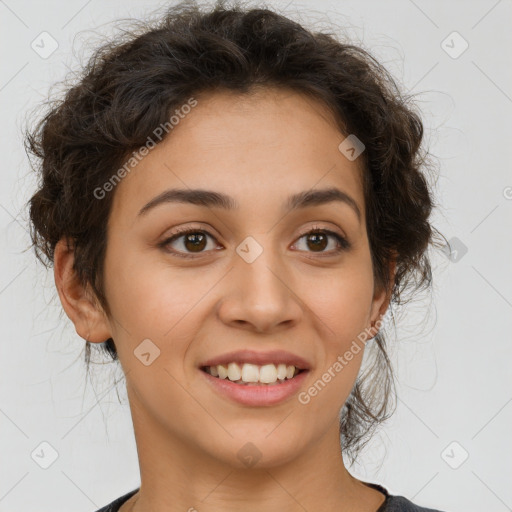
x=344, y=244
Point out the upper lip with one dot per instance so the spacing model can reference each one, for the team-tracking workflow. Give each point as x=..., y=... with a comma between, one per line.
x=259, y=358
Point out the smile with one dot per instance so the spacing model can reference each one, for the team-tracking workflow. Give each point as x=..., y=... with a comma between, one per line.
x=251, y=374
x=256, y=394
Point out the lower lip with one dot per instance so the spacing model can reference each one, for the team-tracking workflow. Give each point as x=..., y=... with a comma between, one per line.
x=257, y=395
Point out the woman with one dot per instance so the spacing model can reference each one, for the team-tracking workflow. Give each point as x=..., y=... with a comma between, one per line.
x=230, y=204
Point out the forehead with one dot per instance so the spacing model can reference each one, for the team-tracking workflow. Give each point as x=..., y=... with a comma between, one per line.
x=258, y=147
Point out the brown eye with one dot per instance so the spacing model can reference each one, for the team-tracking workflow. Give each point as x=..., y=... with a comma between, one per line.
x=187, y=242
x=317, y=241
x=194, y=242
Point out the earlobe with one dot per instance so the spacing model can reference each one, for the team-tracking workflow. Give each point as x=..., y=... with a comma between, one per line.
x=379, y=308
x=381, y=300
x=79, y=305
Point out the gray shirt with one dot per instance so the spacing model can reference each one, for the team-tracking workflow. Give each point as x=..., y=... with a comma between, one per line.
x=391, y=504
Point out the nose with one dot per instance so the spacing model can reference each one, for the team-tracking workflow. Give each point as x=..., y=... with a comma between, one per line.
x=260, y=296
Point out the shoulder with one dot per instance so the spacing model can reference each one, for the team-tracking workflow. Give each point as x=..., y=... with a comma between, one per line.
x=395, y=503
x=116, y=504
x=401, y=504
x=392, y=503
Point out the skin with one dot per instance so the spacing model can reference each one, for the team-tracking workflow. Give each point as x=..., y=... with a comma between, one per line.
x=258, y=148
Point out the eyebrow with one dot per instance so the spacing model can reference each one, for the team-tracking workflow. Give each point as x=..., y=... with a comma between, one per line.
x=210, y=198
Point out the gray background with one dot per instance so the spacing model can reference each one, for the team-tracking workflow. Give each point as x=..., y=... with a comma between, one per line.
x=453, y=365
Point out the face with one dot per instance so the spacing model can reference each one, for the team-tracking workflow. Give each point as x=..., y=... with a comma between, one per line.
x=247, y=277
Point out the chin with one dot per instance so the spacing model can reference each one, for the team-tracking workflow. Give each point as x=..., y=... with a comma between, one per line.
x=254, y=449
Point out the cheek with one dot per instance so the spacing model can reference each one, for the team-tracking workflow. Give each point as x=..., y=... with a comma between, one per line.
x=148, y=303
x=166, y=306
x=343, y=306
x=342, y=300
x=344, y=314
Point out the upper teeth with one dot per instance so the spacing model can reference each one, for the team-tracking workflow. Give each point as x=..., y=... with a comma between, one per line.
x=247, y=372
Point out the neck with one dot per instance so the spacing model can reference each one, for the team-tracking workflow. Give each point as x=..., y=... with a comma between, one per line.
x=176, y=476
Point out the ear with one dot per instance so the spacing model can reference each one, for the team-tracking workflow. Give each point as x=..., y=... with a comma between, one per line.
x=78, y=303
x=381, y=300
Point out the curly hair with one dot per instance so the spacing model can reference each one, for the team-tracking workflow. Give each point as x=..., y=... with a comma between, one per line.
x=130, y=86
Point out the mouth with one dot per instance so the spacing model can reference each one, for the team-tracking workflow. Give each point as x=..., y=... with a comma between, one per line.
x=248, y=374
x=254, y=378
x=255, y=394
